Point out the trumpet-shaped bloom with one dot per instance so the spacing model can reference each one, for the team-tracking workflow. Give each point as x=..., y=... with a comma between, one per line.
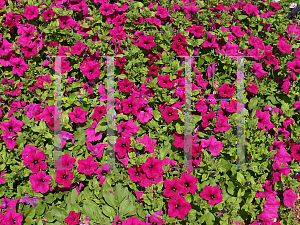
x=289, y=197
x=65, y=162
x=179, y=207
x=35, y=161
x=169, y=114
x=73, y=218
x=97, y=150
x=226, y=91
x=173, y=188
x=40, y=182
x=146, y=41
x=12, y=217
x=148, y=142
x=212, y=194
x=125, y=85
x=296, y=152
x=64, y=177
x=212, y=145
x=189, y=183
x=91, y=133
x=78, y=115
x=99, y=112
x=126, y=129
x=19, y=66
x=31, y=12
x=91, y=70
x=122, y=146
x=153, y=167
x=87, y=166
x=13, y=125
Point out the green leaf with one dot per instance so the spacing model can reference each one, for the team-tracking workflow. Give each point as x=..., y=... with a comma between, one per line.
x=240, y=17
x=157, y=114
x=253, y=103
x=59, y=213
x=230, y=187
x=209, y=218
x=240, y=178
x=109, y=198
x=108, y=211
x=73, y=196
x=40, y=208
x=36, y=129
x=121, y=193
x=91, y=209
x=179, y=128
x=126, y=207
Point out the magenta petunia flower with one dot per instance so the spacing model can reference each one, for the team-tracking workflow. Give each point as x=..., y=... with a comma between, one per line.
x=40, y=182
x=207, y=118
x=31, y=201
x=146, y=41
x=153, y=167
x=179, y=140
x=13, y=125
x=65, y=162
x=189, y=183
x=12, y=217
x=212, y=145
x=263, y=120
x=296, y=152
x=78, y=48
x=30, y=109
x=31, y=12
x=179, y=207
x=226, y=91
x=122, y=146
x=271, y=206
x=251, y=9
x=212, y=194
x=169, y=114
x=135, y=173
x=107, y=9
x=276, y=174
x=73, y=218
x=64, y=177
x=222, y=124
x=29, y=50
x=91, y=70
x=35, y=161
x=289, y=197
x=78, y=115
x=87, y=166
x=9, y=203
x=117, y=220
x=211, y=70
x=143, y=113
x=133, y=221
x=173, y=188
x=263, y=218
x=148, y=142
x=2, y=179
x=66, y=21
x=47, y=15
x=97, y=150
x=91, y=134
x=19, y=66
x=102, y=172
x=99, y=112
x=282, y=156
x=65, y=136
x=125, y=85
x=49, y=113
x=127, y=128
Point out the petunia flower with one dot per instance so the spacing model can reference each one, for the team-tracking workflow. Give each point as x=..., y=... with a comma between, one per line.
x=78, y=115
x=31, y=12
x=106, y=9
x=91, y=70
x=173, y=188
x=212, y=145
x=179, y=207
x=99, y=112
x=222, y=124
x=263, y=120
x=207, y=118
x=12, y=217
x=117, y=220
x=35, y=161
x=9, y=203
x=97, y=150
x=13, y=125
x=66, y=21
x=65, y=136
x=122, y=146
x=189, y=183
x=276, y=174
x=64, y=177
x=91, y=134
x=87, y=166
x=146, y=41
x=143, y=112
x=125, y=85
x=226, y=91
x=40, y=182
x=102, y=172
x=289, y=197
x=19, y=66
x=152, y=167
x=263, y=218
x=30, y=200
x=169, y=114
x=127, y=128
x=212, y=194
x=78, y=48
x=271, y=206
x=47, y=15
x=148, y=142
x=66, y=162
x=296, y=152
x=73, y=218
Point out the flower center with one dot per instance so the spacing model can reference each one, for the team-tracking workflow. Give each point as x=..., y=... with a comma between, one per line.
x=186, y=184
x=42, y=180
x=151, y=166
x=35, y=162
x=137, y=173
x=10, y=129
x=130, y=105
x=123, y=145
x=123, y=129
x=176, y=206
x=170, y=114
x=91, y=71
x=17, y=66
x=212, y=196
x=173, y=189
x=259, y=120
x=103, y=172
x=64, y=176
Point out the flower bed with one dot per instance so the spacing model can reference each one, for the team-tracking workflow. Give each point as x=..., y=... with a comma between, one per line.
x=183, y=124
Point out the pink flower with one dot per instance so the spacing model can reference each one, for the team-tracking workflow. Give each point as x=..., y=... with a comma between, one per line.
x=222, y=124
x=73, y=218
x=48, y=113
x=169, y=114
x=253, y=88
x=153, y=167
x=78, y=115
x=212, y=145
x=106, y=9
x=91, y=70
x=125, y=85
x=9, y=203
x=102, y=172
x=237, y=30
x=295, y=65
x=78, y=48
x=173, y=188
x=162, y=12
x=284, y=47
x=66, y=162
x=99, y=112
x=13, y=125
x=179, y=140
x=146, y=42
x=19, y=66
x=226, y=91
x=12, y=217
x=48, y=14
x=251, y=9
x=64, y=177
x=65, y=136
x=189, y=183
x=31, y=12
x=87, y=166
x=143, y=112
x=210, y=41
x=35, y=161
x=179, y=207
x=148, y=142
x=2, y=179
x=40, y=182
x=271, y=206
x=97, y=150
x=276, y=174
x=263, y=120
x=92, y=135
x=66, y=21
x=126, y=129
x=207, y=118
x=211, y=70
x=122, y=146
x=134, y=221
x=289, y=197
x=262, y=219
x=212, y=194
x=296, y=152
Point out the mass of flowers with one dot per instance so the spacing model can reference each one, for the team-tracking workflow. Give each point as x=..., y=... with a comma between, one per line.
x=149, y=112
